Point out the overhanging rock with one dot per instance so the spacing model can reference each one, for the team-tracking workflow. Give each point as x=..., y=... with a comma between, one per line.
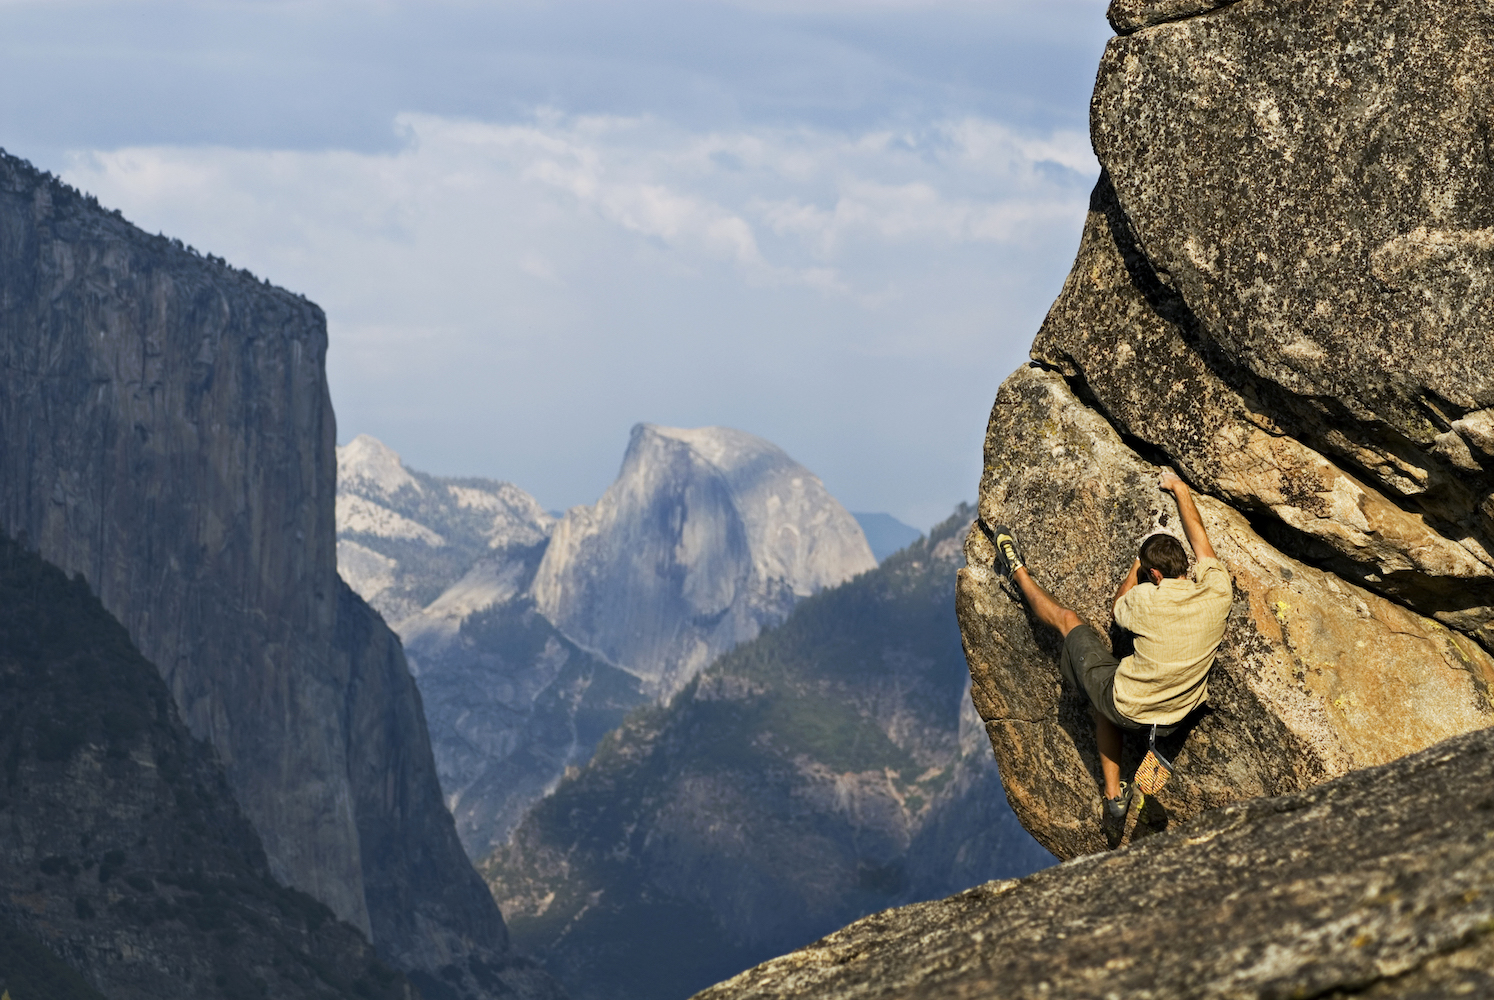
x=1284, y=290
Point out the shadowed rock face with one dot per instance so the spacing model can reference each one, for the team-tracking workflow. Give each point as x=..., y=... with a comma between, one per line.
x=165, y=430
x=1283, y=290
x=1313, y=180
x=1380, y=884
x=1127, y=16
x=123, y=849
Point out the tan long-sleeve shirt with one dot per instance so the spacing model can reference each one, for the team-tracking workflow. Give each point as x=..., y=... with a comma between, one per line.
x=1178, y=626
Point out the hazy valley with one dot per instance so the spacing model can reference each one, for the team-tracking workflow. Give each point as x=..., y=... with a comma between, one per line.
x=280, y=824
x=539, y=633
x=829, y=768
x=818, y=771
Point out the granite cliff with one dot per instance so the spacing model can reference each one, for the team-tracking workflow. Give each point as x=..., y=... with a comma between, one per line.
x=829, y=767
x=166, y=432
x=536, y=636
x=706, y=536
x=404, y=537
x=1283, y=290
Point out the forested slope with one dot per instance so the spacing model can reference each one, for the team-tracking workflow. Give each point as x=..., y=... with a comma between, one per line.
x=829, y=768
x=122, y=852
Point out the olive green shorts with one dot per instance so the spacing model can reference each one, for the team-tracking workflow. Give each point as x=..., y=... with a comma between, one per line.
x=1089, y=665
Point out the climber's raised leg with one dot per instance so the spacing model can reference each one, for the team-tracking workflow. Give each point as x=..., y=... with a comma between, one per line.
x=1087, y=663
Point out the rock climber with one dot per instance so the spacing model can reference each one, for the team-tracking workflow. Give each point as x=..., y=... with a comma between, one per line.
x=1178, y=622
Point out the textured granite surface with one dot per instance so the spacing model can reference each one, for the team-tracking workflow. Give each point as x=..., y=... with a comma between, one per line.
x=1378, y=884
x=1282, y=291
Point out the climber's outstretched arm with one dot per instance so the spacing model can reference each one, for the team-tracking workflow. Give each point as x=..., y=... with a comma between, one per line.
x=1193, y=526
x=1127, y=582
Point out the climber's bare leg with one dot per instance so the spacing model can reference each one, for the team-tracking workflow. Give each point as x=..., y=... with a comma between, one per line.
x=1048, y=610
x=1108, y=736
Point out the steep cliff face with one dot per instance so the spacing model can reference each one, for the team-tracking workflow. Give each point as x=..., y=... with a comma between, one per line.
x=706, y=536
x=122, y=848
x=1283, y=290
x=165, y=430
x=828, y=768
x=1378, y=885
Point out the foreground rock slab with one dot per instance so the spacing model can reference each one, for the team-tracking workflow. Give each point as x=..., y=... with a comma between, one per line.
x=1377, y=884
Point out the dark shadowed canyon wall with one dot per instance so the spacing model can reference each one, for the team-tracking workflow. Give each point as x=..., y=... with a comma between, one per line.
x=166, y=431
x=122, y=850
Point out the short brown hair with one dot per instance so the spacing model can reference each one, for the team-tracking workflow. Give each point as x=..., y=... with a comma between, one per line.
x=1165, y=554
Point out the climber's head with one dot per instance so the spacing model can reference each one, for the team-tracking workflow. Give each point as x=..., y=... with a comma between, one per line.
x=1164, y=554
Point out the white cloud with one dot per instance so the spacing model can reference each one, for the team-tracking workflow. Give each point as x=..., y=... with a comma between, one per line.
x=507, y=298
x=702, y=198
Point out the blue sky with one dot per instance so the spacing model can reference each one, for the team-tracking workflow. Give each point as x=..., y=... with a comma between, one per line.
x=836, y=225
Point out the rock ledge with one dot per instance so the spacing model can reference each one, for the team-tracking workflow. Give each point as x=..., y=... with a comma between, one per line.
x=1377, y=884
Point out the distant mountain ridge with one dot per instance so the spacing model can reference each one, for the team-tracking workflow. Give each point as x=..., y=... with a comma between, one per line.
x=536, y=635
x=885, y=533
x=706, y=536
x=831, y=767
x=404, y=537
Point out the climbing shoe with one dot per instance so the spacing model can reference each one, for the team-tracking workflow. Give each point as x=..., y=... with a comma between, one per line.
x=1008, y=559
x=1115, y=809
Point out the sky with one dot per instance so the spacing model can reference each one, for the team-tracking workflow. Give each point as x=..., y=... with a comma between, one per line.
x=833, y=224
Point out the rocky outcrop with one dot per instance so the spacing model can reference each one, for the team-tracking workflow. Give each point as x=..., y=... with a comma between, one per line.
x=165, y=430
x=830, y=767
x=533, y=650
x=1282, y=290
x=1315, y=675
x=123, y=851
x=1379, y=884
x=706, y=536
